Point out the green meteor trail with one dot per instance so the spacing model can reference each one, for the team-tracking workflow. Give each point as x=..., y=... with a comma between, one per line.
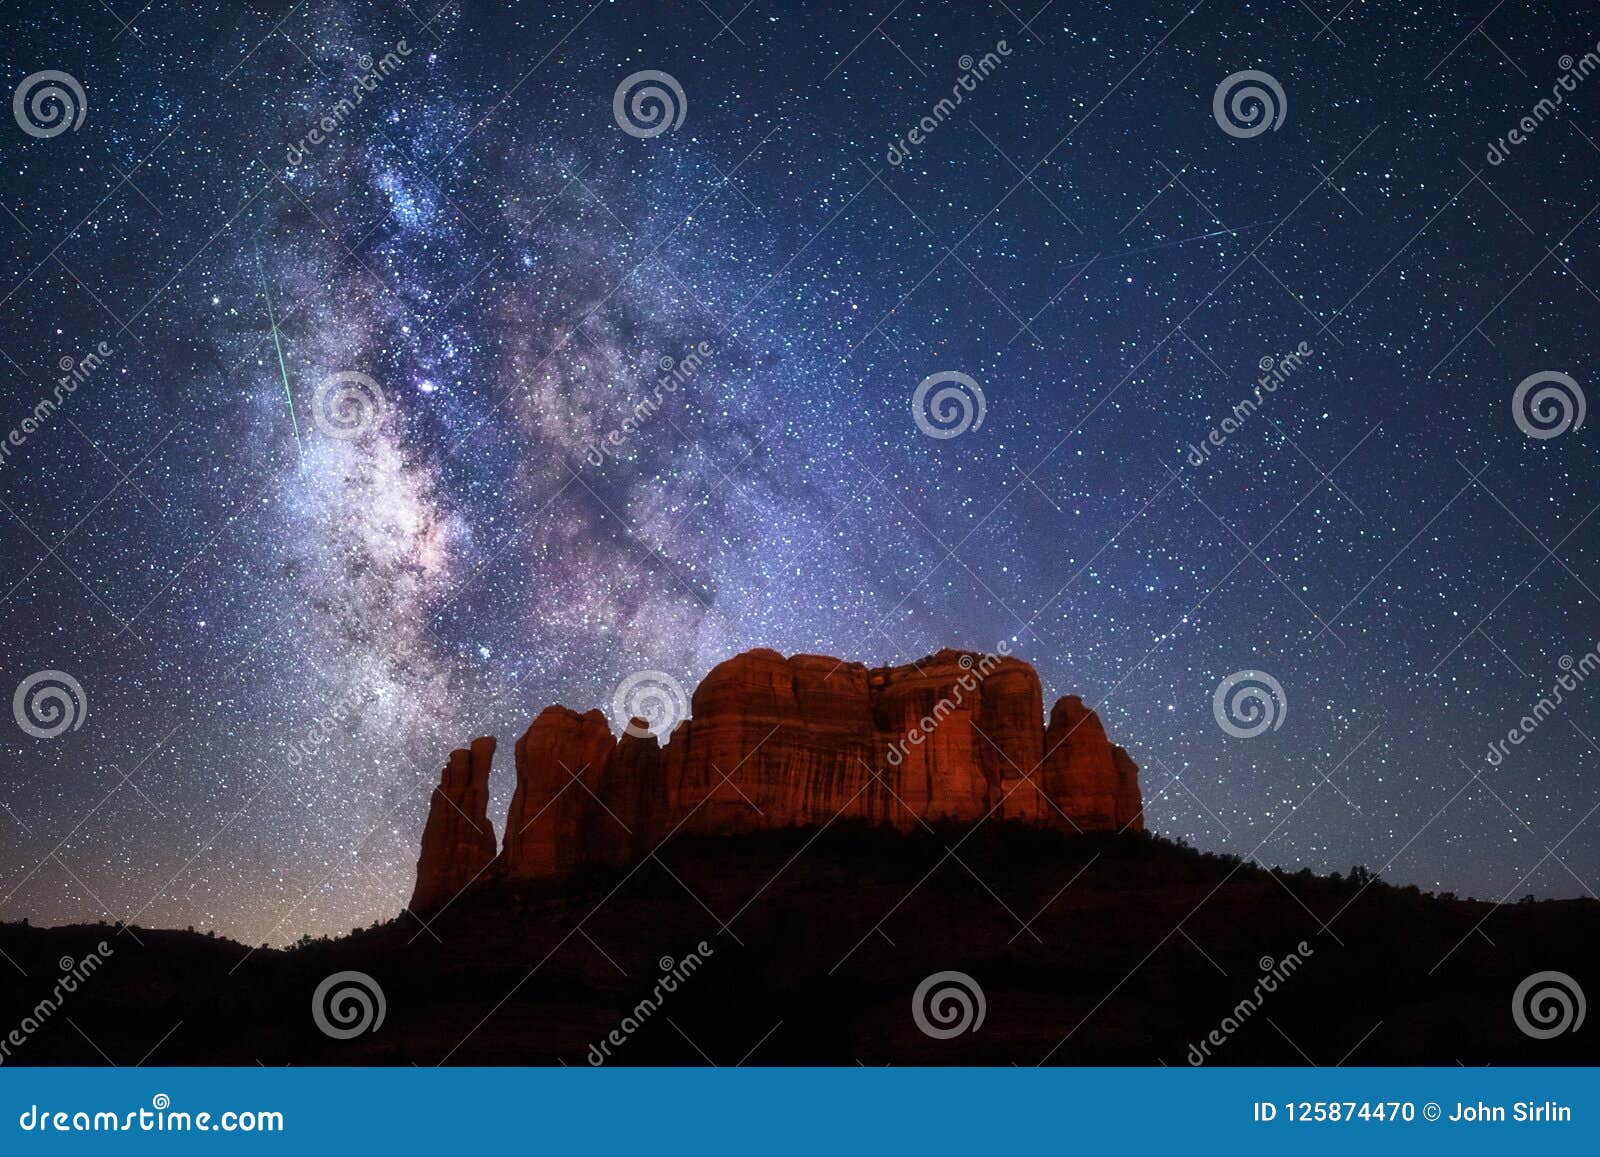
x=283, y=370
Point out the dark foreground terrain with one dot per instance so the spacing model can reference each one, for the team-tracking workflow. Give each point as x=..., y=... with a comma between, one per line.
x=1134, y=950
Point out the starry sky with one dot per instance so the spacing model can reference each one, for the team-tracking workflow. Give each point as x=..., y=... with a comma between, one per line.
x=281, y=624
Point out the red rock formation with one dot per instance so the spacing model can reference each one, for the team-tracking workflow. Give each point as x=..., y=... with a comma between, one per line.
x=959, y=734
x=458, y=841
x=1081, y=773
x=632, y=814
x=776, y=742
x=559, y=762
x=1010, y=742
x=1130, y=804
x=773, y=742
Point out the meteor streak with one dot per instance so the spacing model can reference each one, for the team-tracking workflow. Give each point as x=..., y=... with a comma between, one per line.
x=283, y=370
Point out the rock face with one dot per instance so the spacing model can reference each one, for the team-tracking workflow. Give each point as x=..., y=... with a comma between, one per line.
x=633, y=810
x=458, y=842
x=775, y=742
x=958, y=733
x=1130, y=804
x=1080, y=772
x=559, y=760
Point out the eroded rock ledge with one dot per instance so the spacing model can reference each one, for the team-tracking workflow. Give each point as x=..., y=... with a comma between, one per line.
x=773, y=742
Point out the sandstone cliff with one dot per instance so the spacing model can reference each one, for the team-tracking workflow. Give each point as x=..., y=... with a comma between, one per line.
x=458, y=841
x=774, y=742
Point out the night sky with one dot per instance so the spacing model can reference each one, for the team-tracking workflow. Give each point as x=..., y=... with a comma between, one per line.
x=196, y=540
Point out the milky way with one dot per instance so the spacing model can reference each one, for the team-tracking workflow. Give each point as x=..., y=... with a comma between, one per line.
x=281, y=624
